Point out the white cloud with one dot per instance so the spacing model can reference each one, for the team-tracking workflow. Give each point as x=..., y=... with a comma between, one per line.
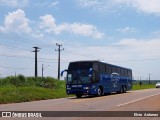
x=46, y=4
x=88, y=3
x=138, y=54
x=14, y=3
x=55, y=3
x=126, y=29
x=96, y=4
x=125, y=49
x=141, y=48
x=16, y=21
x=146, y=6
x=49, y=24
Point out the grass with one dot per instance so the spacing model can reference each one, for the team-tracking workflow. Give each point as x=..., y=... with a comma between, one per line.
x=25, y=94
x=24, y=89
x=143, y=86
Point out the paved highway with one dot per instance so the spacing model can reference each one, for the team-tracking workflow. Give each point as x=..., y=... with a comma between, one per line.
x=140, y=100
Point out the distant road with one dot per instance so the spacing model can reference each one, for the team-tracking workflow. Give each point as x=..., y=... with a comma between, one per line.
x=139, y=100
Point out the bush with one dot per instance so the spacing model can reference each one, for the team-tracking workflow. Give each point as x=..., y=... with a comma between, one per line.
x=17, y=81
x=22, y=89
x=20, y=80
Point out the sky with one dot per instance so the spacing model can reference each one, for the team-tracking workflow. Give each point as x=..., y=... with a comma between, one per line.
x=120, y=32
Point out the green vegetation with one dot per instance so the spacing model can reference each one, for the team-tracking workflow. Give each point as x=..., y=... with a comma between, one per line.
x=137, y=86
x=23, y=89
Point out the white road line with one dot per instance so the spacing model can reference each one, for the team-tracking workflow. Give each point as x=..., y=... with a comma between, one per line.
x=137, y=100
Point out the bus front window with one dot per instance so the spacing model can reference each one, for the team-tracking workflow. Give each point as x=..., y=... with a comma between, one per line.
x=78, y=77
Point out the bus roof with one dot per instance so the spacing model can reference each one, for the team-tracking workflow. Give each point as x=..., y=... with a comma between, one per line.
x=104, y=62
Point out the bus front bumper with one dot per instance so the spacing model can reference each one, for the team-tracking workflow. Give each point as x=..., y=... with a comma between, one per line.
x=85, y=90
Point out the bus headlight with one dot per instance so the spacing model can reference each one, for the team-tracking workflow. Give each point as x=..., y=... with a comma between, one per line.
x=68, y=87
x=86, y=88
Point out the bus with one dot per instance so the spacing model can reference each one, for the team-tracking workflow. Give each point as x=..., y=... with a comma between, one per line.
x=96, y=78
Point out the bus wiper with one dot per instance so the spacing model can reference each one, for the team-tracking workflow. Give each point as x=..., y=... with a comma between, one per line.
x=77, y=79
x=80, y=80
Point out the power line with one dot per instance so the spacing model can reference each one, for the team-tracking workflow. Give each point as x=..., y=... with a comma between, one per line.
x=83, y=55
x=9, y=46
x=106, y=45
x=137, y=60
x=18, y=38
x=17, y=69
x=14, y=67
x=49, y=59
x=16, y=56
x=28, y=40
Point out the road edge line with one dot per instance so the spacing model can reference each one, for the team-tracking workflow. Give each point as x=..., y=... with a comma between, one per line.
x=137, y=100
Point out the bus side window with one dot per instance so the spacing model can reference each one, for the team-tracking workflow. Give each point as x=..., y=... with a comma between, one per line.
x=95, y=77
x=95, y=67
x=113, y=70
x=102, y=68
x=122, y=72
x=118, y=71
x=108, y=69
x=129, y=73
x=126, y=72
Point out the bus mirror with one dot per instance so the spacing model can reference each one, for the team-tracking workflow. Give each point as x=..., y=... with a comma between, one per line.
x=90, y=72
x=63, y=72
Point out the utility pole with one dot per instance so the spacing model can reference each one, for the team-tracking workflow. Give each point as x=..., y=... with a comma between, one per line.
x=36, y=66
x=59, y=52
x=43, y=68
x=149, y=78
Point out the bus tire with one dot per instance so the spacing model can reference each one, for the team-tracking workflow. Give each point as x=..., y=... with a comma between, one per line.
x=78, y=95
x=99, y=92
x=121, y=90
x=124, y=89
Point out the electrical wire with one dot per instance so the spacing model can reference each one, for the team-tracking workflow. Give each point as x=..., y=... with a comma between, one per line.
x=25, y=57
x=149, y=59
x=14, y=67
x=13, y=47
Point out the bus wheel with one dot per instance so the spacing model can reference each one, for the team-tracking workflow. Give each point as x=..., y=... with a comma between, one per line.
x=99, y=92
x=121, y=90
x=78, y=95
x=124, y=89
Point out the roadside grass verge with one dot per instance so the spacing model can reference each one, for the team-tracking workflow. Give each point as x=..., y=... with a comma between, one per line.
x=24, y=89
x=26, y=94
x=143, y=86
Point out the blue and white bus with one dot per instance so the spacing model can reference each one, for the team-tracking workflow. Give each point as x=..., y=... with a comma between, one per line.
x=97, y=78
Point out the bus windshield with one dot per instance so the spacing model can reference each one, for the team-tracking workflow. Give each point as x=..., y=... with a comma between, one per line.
x=78, y=77
x=78, y=73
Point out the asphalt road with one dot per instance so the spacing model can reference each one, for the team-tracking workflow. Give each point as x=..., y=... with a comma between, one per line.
x=140, y=100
